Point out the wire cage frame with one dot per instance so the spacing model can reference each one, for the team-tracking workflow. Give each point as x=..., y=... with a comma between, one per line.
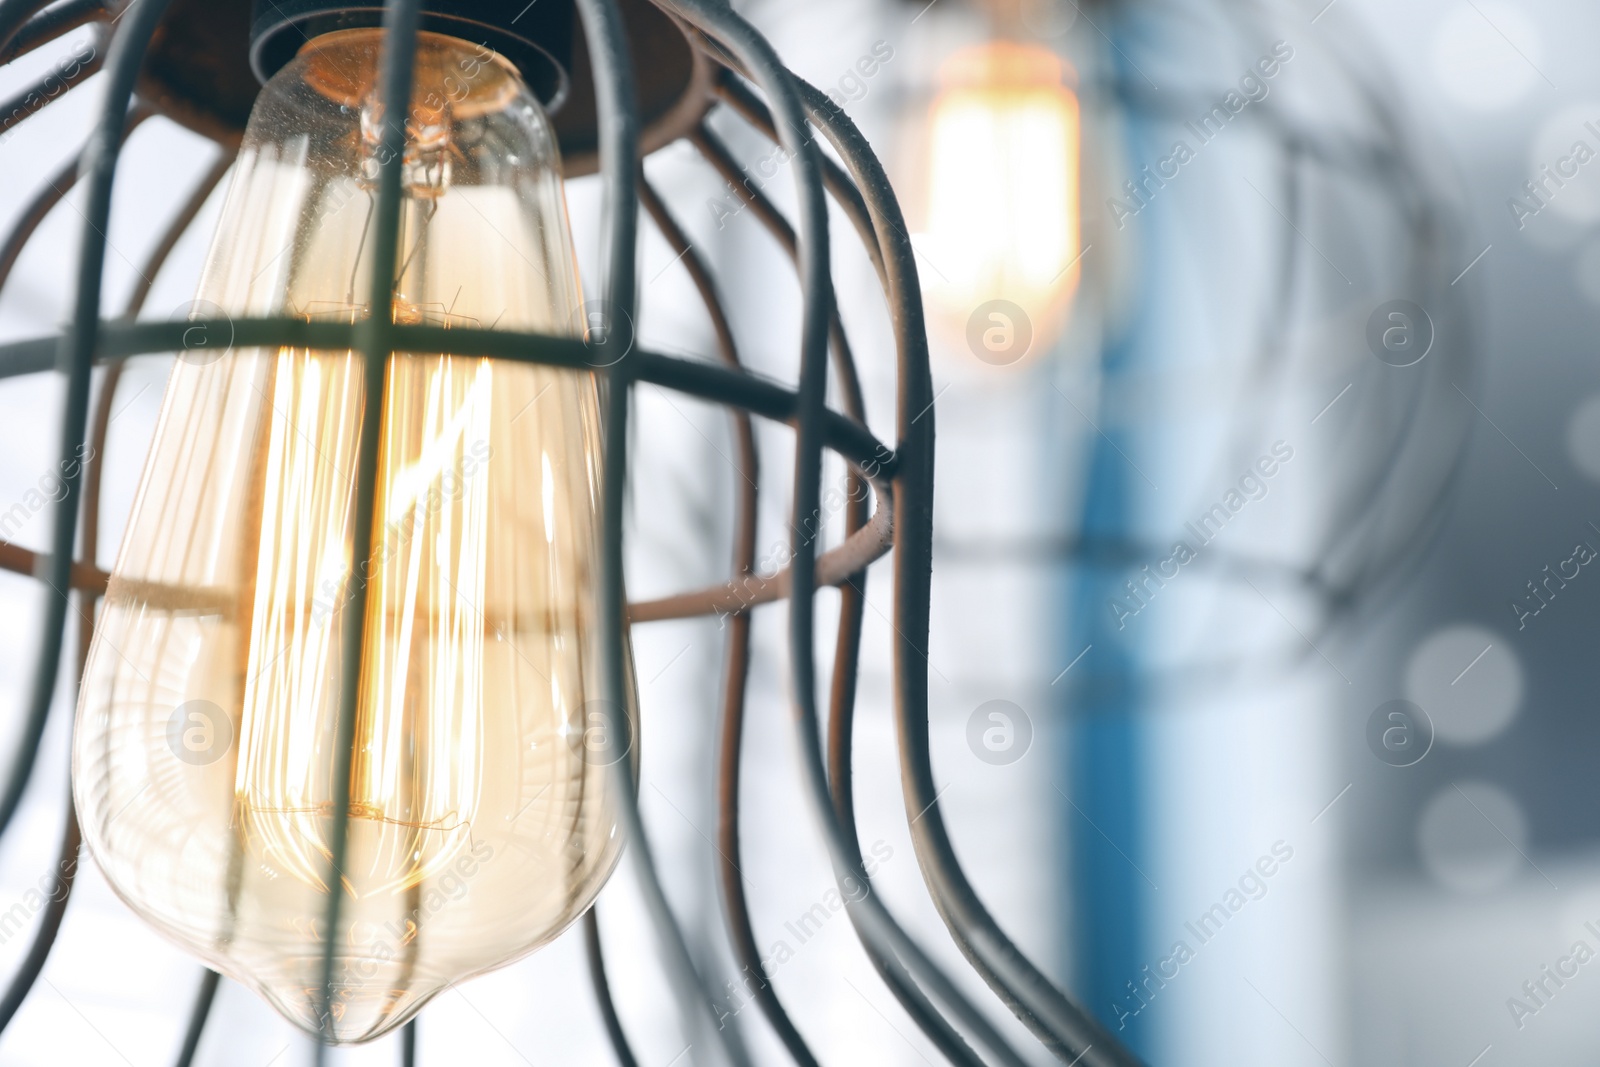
x=748, y=78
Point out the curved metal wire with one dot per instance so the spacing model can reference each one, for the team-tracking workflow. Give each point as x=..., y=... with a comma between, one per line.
x=28, y=974
x=736, y=912
x=53, y=23
x=33, y=99
x=602, y=990
x=55, y=189
x=707, y=381
x=14, y=16
x=63, y=876
x=203, y=999
x=1078, y=1034
x=853, y=590
x=1069, y=1030
x=619, y=139
x=85, y=576
x=76, y=359
x=751, y=51
x=732, y=90
x=101, y=153
x=851, y=609
x=718, y=155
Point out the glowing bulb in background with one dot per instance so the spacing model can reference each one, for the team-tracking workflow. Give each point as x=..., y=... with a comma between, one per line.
x=205, y=749
x=1001, y=218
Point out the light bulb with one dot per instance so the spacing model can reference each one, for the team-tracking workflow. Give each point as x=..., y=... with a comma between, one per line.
x=1001, y=221
x=480, y=823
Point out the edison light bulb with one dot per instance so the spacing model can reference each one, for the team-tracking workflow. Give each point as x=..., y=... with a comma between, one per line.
x=480, y=824
x=1001, y=224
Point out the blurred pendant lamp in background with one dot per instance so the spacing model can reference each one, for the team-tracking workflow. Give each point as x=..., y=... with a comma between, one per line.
x=998, y=164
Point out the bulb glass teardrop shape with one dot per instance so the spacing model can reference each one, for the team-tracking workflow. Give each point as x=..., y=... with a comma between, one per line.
x=481, y=823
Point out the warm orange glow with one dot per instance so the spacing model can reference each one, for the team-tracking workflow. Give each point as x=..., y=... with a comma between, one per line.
x=1002, y=188
x=208, y=752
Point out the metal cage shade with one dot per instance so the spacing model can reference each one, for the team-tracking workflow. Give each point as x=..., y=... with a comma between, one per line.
x=642, y=77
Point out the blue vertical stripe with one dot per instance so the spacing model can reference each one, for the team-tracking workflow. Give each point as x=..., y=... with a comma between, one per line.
x=1104, y=821
x=1107, y=759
